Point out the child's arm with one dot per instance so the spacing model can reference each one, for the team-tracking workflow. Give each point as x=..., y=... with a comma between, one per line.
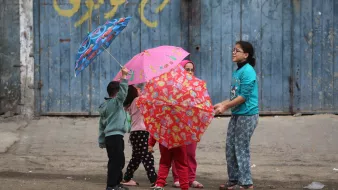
x=122, y=94
x=128, y=122
x=101, y=134
x=151, y=143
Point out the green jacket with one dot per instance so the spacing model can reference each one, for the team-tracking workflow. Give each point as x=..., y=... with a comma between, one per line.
x=113, y=118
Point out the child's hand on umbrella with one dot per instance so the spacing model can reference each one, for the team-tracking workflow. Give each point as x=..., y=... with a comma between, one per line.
x=150, y=149
x=216, y=106
x=124, y=71
x=221, y=107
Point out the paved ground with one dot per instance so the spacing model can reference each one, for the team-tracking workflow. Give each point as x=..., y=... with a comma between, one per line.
x=62, y=153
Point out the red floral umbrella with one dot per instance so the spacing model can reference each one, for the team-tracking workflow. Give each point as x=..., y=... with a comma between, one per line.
x=176, y=107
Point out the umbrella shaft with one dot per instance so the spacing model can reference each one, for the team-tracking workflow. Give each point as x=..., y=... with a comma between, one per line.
x=113, y=57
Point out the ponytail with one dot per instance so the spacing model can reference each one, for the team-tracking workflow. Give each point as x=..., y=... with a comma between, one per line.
x=252, y=61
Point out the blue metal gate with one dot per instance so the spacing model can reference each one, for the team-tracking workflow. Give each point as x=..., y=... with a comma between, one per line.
x=296, y=48
x=60, y=26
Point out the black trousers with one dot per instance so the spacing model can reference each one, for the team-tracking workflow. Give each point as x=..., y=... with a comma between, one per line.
x=115, y=152
x=139, y=142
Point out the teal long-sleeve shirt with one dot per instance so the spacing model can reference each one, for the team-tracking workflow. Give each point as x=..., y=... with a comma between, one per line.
x=244, y=84
x=113, y=118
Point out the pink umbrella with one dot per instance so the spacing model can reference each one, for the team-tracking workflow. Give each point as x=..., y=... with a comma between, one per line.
x=152, y=63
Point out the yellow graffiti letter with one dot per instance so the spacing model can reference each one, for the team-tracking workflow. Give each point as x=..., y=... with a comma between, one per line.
x=69, y=12
x=116, y=4
x=158, y=9
x=90, y=5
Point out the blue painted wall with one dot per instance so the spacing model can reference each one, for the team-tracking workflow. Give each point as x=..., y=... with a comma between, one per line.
x=295, y=45
x=296, y=50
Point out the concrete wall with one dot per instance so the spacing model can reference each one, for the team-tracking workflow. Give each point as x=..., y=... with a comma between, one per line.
x=26, y=57
x=16, y=64
x=9, y=56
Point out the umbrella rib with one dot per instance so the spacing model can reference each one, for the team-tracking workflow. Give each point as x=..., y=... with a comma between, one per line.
x=164, y=103
x=144, y=75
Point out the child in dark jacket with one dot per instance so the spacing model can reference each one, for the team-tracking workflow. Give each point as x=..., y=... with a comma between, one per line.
x=112, y=127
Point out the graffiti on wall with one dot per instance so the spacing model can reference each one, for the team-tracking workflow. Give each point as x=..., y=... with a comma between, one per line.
x=94, y=5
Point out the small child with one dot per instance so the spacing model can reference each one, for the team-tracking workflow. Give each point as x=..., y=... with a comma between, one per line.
x=139, y=141
x=191, y=148
x=179, y=156
x=112, y=127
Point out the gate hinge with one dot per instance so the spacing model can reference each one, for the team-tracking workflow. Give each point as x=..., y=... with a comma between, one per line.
x=38, y=86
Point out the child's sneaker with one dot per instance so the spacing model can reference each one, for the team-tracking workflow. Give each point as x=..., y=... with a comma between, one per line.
x=153, y=185
x=156, y=187
x=118, y=187
x=121, y=187
x=176, y=184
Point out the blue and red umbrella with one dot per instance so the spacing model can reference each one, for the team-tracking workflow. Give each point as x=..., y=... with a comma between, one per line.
x=98, y=41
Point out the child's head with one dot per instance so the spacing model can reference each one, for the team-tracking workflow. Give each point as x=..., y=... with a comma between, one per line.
x=243, y=52
x=113, y=88
x=140, y=86
x=188, y=66
x=132, y=94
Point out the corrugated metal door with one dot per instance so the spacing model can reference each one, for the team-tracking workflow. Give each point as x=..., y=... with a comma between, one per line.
x=296, y=50
x=295, y=44
x=60, y=26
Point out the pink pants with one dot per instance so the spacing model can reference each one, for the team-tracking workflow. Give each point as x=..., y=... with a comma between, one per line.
x=192, y=164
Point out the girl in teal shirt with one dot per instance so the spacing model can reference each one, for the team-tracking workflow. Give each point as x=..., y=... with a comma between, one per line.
x=244, y=108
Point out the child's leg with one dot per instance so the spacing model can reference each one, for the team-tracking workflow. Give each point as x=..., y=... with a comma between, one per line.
x=115, y=151
x=180, y=158
x=165, y=163
x=174, y=171
x=147, y=157
x=232, y=165
x=245, y=128
x=136, y=155
x=192, y=163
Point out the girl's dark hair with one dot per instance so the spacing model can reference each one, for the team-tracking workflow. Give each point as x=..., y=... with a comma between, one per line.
x=132, y=94
x=248, y=48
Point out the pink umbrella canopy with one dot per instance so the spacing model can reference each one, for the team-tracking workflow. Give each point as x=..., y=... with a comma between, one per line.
x=152, y=63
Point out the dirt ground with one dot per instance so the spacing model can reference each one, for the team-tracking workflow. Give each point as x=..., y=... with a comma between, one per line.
x=59, y=153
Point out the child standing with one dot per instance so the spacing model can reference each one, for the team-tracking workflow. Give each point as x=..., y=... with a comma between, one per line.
x=112, y=128
x=191, y=148
x=139, y=141
x=179, y=156
x=244, y=105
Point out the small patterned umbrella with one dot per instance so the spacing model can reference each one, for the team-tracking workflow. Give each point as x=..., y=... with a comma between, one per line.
x=98, y=41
